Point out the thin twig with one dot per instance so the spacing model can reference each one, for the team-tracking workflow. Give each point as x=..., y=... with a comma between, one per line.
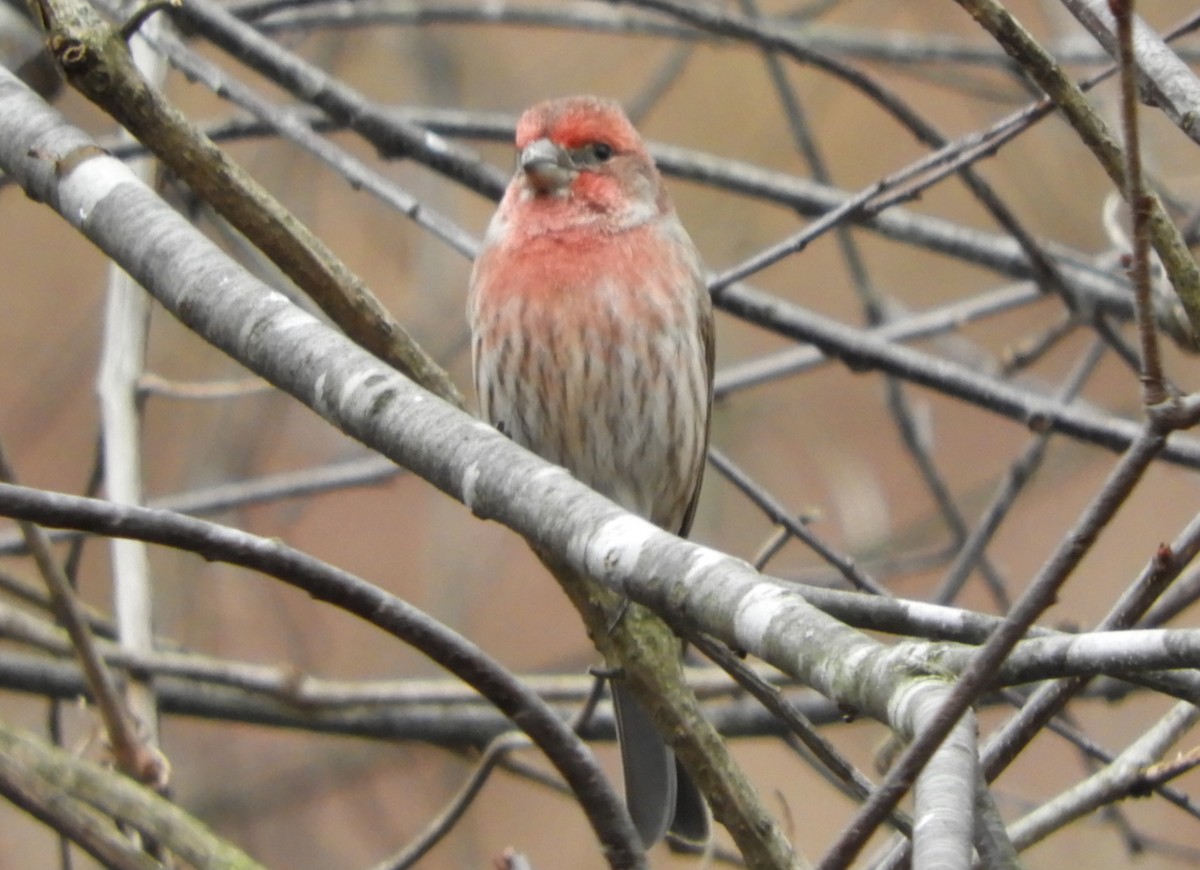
x=1140, y=207
x=1095, y=133
x=831, y=761
x=98, y=65
x=779, y=514
x=131, y=753
x=379, y=608
x=1041, y=592
x=444, y=822
x=1020, y=472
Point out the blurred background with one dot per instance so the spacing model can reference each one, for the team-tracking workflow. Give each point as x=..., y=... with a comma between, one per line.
x=824, y=441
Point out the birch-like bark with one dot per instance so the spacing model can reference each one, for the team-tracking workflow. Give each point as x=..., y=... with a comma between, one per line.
x=468, y=460
x=123, y=353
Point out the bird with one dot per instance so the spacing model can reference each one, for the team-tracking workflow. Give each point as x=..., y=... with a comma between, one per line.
x=593, y=344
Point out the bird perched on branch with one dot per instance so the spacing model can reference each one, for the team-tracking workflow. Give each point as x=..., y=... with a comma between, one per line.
x=592, y=340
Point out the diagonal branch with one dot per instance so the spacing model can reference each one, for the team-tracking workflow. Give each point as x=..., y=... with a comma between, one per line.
x=1181, y=267
x=97, y=63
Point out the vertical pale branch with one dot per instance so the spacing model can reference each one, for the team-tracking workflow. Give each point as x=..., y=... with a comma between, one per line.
x=964, y=382
x=126, y=319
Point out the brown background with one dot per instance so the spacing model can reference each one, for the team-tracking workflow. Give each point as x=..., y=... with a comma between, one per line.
x=822, y=442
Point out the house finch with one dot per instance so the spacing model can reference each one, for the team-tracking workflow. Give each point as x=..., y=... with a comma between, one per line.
x=592, y=340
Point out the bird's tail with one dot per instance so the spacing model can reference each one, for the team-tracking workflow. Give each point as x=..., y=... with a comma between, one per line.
x=658, y=791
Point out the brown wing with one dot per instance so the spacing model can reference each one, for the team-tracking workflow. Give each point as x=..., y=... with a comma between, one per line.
x=709, y=339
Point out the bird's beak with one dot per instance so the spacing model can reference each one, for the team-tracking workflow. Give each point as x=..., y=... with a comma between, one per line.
x=547, y=166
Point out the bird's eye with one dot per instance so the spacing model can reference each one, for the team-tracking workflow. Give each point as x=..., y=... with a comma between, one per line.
x=602, y=151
